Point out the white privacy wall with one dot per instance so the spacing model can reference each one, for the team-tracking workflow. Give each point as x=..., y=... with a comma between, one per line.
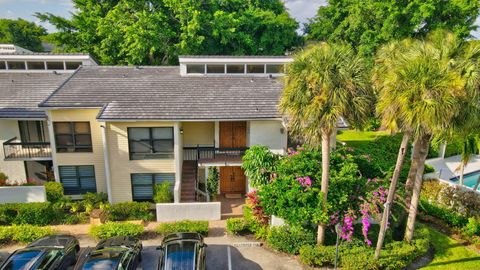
x=22, y=194
x=15, y=170
x=269, y=133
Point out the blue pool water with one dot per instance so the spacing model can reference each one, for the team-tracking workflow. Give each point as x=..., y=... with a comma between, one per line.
x=469, y=180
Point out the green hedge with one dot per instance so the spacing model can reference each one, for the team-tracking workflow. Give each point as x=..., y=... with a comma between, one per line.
x=447, y=215
x=237, y=226
x=54, y=191
x=130, y=211
x=200, y=227
x=355, y=255
x=39, y=214
x=23, y=233
x=112, y=229
x=289, y=239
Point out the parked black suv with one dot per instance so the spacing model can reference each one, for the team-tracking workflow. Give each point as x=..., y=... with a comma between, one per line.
x=182, y=251
x=122, y=253
x=47, y=253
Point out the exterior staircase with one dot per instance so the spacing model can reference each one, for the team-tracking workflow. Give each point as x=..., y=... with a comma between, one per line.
x=189, y=169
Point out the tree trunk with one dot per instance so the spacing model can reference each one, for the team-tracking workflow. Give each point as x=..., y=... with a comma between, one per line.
x=417, y=188
x=412, y=172
x=462, y=171
x=391, y=193
x=475, y=188
x=325, y=175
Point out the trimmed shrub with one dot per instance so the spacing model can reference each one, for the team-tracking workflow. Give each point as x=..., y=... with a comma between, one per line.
x=130, y=211
x=40, y=214
x=200, y=227
x=112, y=229
x=289, y=239
x=163, y=193
x=447, y=215
x=237, y=226
x=54, y=191
x=473, y=227
x=355, y=255
x=23, y=233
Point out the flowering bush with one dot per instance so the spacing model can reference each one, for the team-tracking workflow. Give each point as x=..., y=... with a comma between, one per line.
x=259, y=164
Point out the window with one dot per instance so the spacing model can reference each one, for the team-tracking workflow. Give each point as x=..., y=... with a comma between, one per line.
x=36, y=65
x=143, y=184
x=73, y=136
x=274, y=69
x=240, y=69
x=198, y=69
x=150, y=143
x=3, y=65
x=55, y=65
x=78, y=180
x=72, y=65
x=216, y=69
x=16, y=65
x=49, y=259
x=259, y=69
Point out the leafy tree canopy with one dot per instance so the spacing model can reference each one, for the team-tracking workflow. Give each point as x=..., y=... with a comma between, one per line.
x=157, y=31
x=366, y=24
x=22, y=33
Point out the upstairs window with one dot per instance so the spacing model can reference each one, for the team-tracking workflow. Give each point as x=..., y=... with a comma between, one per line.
x=55, y=65
x=215, y=69
x=256, y=69
x=196, y=69
x=235, y=69
x=150, y=143
x=73, y=136
x=275, y=69
x=36, y=65
x=72, y=65
x=16, y=65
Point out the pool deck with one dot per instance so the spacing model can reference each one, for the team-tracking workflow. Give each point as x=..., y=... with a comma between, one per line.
x=446, y=168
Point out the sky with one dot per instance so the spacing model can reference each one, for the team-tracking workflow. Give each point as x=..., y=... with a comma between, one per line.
x=12, y=9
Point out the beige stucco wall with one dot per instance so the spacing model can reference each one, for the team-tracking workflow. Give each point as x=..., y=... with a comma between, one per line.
x=74, y=159
x=121, y=166
x=202, y=133
x=268, y=133
x=15, y=170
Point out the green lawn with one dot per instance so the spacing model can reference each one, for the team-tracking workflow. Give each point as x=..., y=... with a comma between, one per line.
x=450, y=254
x=355, y=138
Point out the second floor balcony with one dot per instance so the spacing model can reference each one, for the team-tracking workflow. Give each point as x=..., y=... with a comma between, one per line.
x=14, y=149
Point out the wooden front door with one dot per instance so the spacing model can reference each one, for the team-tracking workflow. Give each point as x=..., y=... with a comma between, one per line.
x=233, y=134
x=232, y=180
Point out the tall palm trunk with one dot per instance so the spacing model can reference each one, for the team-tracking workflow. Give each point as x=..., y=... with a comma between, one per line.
x=417, y=188
x=462, y=172
x=391, y=192
x=477, y=184
x=412, y=172
x=325, y=174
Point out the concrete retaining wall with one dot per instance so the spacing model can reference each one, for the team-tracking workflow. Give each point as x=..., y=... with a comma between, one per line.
x=22, y=194
x=191, y=211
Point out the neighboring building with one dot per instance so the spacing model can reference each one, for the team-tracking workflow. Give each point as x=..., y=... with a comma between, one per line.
x=120, y=130
x=26, y=151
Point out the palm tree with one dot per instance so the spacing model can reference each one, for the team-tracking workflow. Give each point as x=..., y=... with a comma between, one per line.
x=384, y=78
x=469, y=147
x=444, y=78
x=322, y=84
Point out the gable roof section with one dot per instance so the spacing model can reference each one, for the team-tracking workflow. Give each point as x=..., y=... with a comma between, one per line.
x=160, y=93
x=20, y=93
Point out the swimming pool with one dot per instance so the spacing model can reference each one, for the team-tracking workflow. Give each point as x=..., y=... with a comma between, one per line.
x=469, y=179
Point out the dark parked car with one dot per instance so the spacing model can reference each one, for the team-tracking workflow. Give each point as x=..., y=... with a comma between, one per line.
x=120, y=252
x=181, y=251
x=47, y=253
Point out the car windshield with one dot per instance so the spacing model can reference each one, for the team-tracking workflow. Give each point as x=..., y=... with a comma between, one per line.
x=104, y=260
x=22, y=260
x=180, y=256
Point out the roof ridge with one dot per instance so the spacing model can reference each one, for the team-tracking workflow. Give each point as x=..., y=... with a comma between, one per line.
x=41, y=104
